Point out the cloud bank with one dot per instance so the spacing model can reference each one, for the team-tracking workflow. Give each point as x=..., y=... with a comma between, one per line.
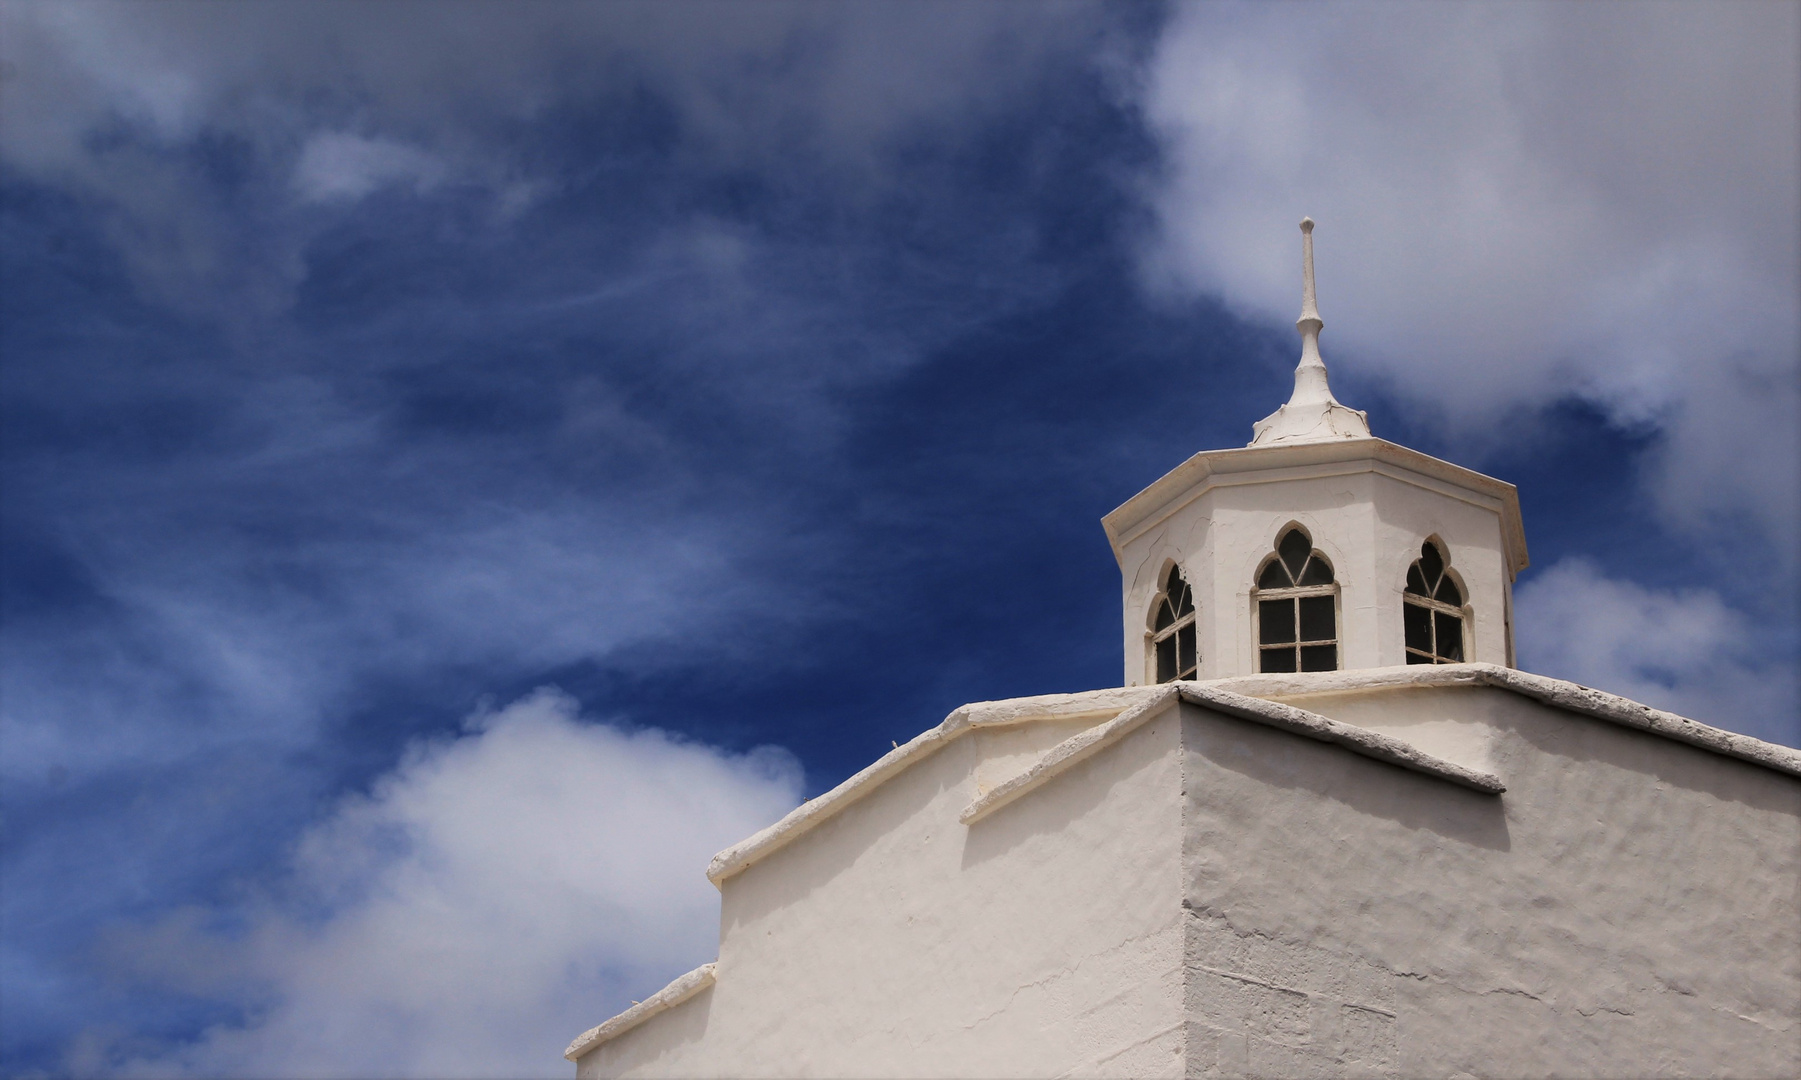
x=1517, y=204
x=492, y=897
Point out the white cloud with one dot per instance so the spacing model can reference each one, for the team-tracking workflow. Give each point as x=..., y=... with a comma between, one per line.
x=489, y=900
x=337, y=166
x=1684, y=650
x=1517, y=204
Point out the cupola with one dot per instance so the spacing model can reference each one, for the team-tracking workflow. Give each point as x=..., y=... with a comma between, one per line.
x=1317, y=547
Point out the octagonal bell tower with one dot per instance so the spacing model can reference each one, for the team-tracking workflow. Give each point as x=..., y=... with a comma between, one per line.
x=1317, y=547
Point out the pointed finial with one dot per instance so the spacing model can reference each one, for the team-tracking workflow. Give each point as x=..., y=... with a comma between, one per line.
x=1309, y=308
x=1312, y=413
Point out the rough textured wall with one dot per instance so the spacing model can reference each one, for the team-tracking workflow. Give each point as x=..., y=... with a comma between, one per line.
x=1628, y=908
x=893, y=941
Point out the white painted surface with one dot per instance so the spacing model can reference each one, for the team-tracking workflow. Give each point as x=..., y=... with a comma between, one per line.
x=1211, y=896
x=1368, y=505
x=1311, y=413
x=890, y=940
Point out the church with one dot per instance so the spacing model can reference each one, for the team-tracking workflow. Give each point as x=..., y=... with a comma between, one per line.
x=1324, y=827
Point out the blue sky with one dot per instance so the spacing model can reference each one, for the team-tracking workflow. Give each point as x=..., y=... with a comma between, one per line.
x=464, y=464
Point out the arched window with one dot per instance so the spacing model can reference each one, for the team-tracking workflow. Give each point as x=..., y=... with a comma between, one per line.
x=1172, y=629
x=1296, y=608
x=1432, y=610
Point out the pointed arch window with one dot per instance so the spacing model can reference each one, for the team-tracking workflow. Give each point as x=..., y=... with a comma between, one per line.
x=1295, y=608
x=1172, y=629
x=1432, y=610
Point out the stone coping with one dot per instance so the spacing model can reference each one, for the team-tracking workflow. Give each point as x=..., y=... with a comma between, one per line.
x=670, y=996
x=1569, y=696
x=1248, y=697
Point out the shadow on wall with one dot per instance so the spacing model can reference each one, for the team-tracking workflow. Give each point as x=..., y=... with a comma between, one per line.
x=1050, y=810
x=1368, y=786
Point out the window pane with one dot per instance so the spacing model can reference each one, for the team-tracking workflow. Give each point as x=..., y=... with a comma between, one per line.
x=1449, y=592
x=1275, y=622
x=1319, y=658
x=1184, y=601
x=1416, y=658
x=1166, y=659
x=1418, y=623
x=1277, y=660
x=1274, y=576
x=1450, y=635
x=1185, y=650
x=1317, y=572
x=1432, y=563
x=1416, y=582
x=1164, y=615
x=1294, y=549
x=1317, y=620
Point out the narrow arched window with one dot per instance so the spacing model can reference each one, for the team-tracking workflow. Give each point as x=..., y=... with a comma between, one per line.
x=1432, y=610
x=1172, y=629
x=1296, y=608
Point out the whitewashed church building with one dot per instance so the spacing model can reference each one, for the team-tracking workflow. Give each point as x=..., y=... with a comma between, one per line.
x=1324, y=828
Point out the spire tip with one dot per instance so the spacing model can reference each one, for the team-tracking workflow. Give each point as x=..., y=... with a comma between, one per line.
x=1306, y=224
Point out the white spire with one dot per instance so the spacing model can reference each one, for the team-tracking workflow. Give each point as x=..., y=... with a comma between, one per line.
x=1312, y=413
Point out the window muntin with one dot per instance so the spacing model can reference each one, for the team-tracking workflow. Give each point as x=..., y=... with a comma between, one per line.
x=1296, y=606
x=1432, y=611
x=1172, y=630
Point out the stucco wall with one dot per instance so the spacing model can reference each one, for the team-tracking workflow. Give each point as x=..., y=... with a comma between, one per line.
x=1628, y=908
x=893, y=941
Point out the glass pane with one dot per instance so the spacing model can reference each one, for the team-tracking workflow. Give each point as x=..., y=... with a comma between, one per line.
x=1166, y=659
x=1275, y=622
x=1449, y=593
x=1416, y=658
x=1432, y=563
x=1450, y=635
x=1317, y=620
x=1294, y=549
x=1184, y=601
x=1418, y=623
x=1276, y=660
x=1185, y=650
x=1416, y=581
x=1274, y=576
x=1318, y=572
x=1164, y=615
x=1319, y=658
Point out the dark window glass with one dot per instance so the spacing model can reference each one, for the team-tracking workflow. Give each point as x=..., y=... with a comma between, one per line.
x=1418, y=622
x=1185, y=650
x=1164, y=615
x=1450, y=636
x=1416, y=582
x=1166, y=659
x=1449, y=593
x=1432, y=563
x=1319, y=658
x=1274, y=576
x=1317, y=621
x=1294, y=550
x=1317, y=572
x=1416, y=658
x=1275, y=622
x=1184, y=600
x=1277, y=660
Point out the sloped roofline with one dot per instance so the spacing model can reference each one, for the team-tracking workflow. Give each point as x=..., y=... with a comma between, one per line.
x=1247, y=697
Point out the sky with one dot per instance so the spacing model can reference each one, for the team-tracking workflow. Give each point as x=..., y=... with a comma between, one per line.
x=464, y=464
